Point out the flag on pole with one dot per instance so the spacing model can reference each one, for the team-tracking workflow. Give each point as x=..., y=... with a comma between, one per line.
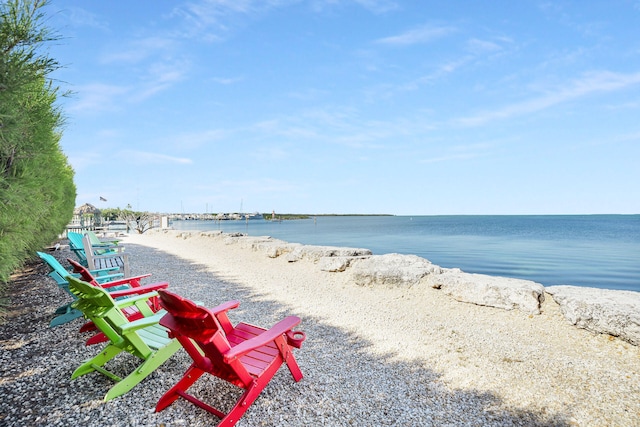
x=102, y=199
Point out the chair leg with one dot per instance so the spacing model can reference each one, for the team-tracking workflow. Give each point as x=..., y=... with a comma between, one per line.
x=97, y=339
x=64, y=308
x=99, y=360
x=241, y=406
x=88, y=326
x=190, y=377
x=292, y=364
x=148, y=366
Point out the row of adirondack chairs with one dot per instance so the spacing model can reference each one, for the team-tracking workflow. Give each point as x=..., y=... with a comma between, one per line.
x=153, y=323
x=97, y=254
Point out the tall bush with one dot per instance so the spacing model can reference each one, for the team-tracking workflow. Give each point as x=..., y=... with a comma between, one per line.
x=37, y=191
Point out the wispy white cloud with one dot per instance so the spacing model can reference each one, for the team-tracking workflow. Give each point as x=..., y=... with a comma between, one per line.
x=138, y=50
x=378, y=6
x=424, y=34
x=270, y=153
x=160, y=76
x=478, y=46
x=590, y=83
x=80, y=17
x=335, y=126
x=374, y=6
x=97, y=97
x=210, y=20
x=227, y=80
x=198, y=139
x=85, y=159
x=152, y=157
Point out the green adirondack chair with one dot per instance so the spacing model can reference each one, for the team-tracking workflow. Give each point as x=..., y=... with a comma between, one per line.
x=143, y=338
x=65, y=313
x=101, y=246
x=96, y=241
x=122, y=288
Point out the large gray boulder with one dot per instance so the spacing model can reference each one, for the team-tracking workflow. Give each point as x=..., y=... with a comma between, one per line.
x=391, y=270
x=315, y=253
x=273, y=248
x=605, y=311
x=335, y=264
x=492, y=291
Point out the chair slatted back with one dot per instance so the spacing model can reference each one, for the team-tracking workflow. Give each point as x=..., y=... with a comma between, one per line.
x=203, y=336
x=100, y=307
x=111, y=260
x=75, y=244
x=58, y=272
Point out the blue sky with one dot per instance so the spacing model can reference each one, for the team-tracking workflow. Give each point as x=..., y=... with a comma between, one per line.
x=352, y=106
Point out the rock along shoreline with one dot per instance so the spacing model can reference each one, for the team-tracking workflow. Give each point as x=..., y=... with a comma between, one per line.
x=604, y=311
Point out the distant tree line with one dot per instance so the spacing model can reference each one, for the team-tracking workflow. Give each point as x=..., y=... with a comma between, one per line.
x=37, y=191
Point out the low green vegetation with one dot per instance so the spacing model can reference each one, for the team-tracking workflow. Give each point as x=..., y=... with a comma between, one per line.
x=37, y=191
x=285, y=216
x=307, y=216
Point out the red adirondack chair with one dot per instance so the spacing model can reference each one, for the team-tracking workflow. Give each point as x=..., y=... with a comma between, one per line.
x=244, y=355
x=125, y=287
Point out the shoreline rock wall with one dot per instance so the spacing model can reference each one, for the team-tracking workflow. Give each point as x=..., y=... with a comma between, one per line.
x=602, y=311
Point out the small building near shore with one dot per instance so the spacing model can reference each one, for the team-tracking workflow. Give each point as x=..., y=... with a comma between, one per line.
x=86, y=216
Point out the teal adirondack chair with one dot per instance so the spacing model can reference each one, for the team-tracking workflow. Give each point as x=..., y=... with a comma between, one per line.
x=66, y=313
x=76, y=246
x=143, y=338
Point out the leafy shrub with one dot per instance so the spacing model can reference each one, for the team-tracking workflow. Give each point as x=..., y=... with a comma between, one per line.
x=37, y=191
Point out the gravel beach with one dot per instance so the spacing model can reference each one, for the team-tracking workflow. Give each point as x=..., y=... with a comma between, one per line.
x=373, y=356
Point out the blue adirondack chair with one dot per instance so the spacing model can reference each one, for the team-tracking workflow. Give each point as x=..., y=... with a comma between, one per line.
x=58, y=273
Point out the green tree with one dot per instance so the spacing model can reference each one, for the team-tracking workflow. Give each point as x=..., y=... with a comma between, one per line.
x=143, y=220
x=37, y=191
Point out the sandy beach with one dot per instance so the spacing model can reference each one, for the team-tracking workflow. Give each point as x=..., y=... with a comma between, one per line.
x=373, y=355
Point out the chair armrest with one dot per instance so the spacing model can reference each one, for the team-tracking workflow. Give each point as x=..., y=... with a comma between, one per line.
x=139, y=290
x=99, y=271
x=127, y=302
x=125, y=281
x=280, y=328
x=220, y=312
x=143, y=322
x=124, y=256
x=225, y=306
x=107, y=278
x=103, y=245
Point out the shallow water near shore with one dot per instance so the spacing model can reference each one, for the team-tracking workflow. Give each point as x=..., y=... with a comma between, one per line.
x=601, y=251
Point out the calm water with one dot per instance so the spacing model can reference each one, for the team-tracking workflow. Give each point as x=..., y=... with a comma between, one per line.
x=584, y=250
